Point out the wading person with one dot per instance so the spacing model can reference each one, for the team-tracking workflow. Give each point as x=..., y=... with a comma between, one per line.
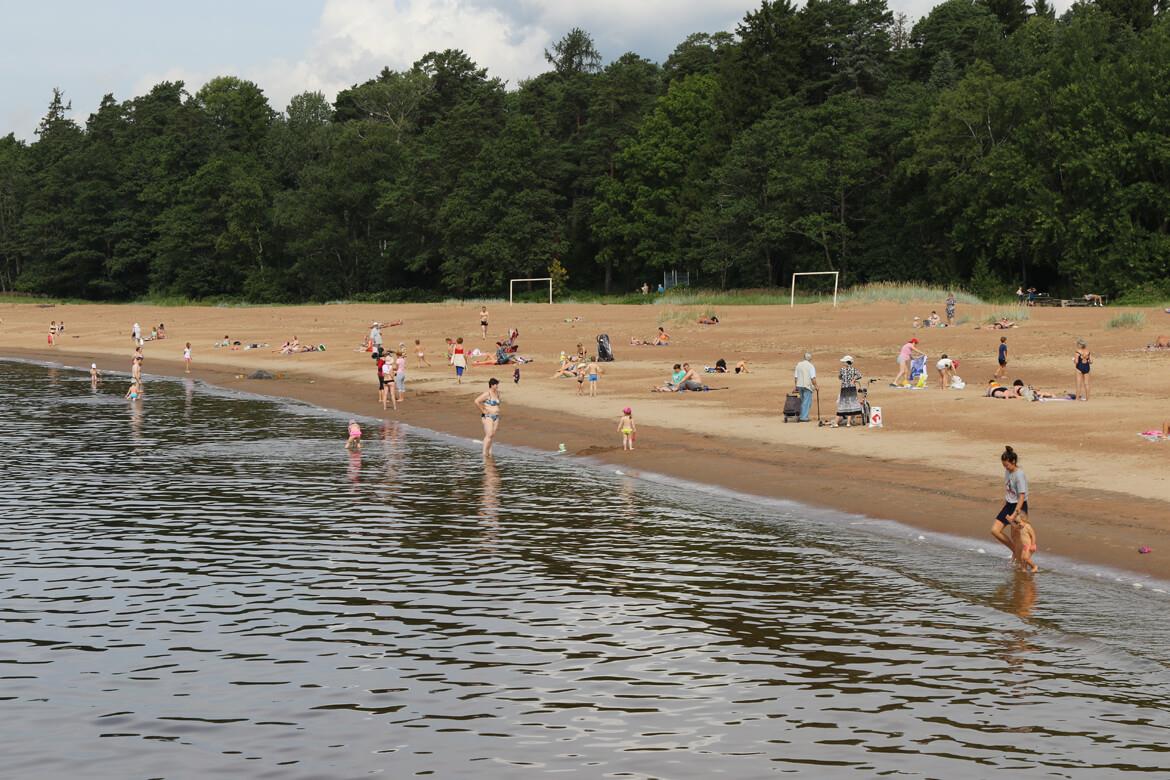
x=1015, y=501
x=488, y=404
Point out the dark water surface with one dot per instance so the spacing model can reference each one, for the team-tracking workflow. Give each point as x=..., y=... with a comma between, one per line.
x=204, y=585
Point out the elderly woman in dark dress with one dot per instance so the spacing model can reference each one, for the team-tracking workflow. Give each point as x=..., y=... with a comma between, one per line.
x=848, y=403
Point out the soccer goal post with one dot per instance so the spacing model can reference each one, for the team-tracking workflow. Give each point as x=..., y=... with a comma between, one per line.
x=512, y=286
x=836, y=277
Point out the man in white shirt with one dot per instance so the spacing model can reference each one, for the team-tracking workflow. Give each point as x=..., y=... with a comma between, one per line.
x=375, y=337
x=806, y=382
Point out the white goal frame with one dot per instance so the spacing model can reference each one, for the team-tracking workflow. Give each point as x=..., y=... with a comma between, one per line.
x=836, y=279
x=512, y=284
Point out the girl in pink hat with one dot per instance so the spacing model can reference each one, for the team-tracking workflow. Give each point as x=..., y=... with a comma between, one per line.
x=627, y=429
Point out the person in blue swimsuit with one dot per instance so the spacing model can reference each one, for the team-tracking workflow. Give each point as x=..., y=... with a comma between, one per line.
x=488, y=404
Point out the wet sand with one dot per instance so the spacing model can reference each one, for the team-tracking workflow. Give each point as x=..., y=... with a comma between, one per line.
x=1098, y=490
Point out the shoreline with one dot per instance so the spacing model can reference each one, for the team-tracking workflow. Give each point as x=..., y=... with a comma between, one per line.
x=1074, y=524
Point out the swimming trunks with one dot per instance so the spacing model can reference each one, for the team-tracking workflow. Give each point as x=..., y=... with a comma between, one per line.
x=593, y=377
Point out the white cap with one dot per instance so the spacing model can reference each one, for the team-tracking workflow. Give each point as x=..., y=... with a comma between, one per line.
x=847, y=359
x=93, y=365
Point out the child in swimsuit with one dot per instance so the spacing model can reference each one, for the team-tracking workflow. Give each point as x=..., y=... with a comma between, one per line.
x=422, y=357
x=354, y=442
x=593, y=370
x=627, y=428
x=1024, y=536
x=95, y=376
x=133, y=393
x=187, y=356
x=580, y=371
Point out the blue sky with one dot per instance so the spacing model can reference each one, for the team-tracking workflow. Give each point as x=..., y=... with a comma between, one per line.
x=91, y=47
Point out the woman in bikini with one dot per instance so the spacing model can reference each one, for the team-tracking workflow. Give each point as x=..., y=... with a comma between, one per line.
x=1082, y=361
x=488, y=403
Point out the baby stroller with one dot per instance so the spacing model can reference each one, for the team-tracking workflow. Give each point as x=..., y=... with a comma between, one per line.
x=604, y=350
x=918, y=371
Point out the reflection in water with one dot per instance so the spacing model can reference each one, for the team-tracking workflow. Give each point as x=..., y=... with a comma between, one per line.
x=212, y=609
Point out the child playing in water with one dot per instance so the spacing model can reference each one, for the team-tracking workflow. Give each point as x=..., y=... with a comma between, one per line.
x=134, y=391
x=421, y=353
x=187, y=356
x=627, y=428
x=354, y=442
x=95, y=376
x=1024, y=537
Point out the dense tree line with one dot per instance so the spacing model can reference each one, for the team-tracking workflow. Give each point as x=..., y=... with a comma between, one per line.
x=988, y=143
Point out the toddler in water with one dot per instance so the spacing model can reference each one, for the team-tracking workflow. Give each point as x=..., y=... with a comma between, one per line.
x=134, y=391
x=187, y=356
x=627, y=428
x=1024, y=537
x=355, y=436
x=95, y=376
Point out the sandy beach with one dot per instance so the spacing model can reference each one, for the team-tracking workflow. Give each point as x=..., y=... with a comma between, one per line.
x=1098, y=490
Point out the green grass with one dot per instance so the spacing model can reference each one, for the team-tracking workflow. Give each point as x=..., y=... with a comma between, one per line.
x=904, y=292
x=754, y=297
x=1016, y=314
x=1129, y=319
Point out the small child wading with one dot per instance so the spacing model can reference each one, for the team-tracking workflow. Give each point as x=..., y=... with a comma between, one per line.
x=627, y=429
x=354, y=442
x=187, y=356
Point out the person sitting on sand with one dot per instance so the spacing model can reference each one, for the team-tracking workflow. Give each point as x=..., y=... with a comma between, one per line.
x=671, y=385
x=288, y=347
x=568, y=369
x=1094, y=300
x=712, y=320
x=689, y=380
x=662, y=338
x=742, y=367
x=162, y=331
x=933, y=321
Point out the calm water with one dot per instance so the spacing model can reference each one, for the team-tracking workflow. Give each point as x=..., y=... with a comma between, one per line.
x=204, y=585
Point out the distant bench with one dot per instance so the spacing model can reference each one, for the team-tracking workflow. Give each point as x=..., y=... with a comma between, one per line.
x=1045, y=300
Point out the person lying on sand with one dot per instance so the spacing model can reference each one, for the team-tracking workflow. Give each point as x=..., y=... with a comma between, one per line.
x=712, y=320
x=1162, y=342
x=1003, y=323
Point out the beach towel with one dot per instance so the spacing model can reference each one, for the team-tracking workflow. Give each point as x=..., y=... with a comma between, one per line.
x=918, y=371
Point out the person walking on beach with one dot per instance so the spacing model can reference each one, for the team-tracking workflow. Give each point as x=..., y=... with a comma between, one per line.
x=1015, y=502
x=950, y=309
x=1002, y=358
x=488, y=403
x=187, y=356
x=627, y=428
x=53, y=333
x=459, y=359
x=1083, y=361
x=908, y=351
x=805, y=376
x=400, y=375
x=483, y=321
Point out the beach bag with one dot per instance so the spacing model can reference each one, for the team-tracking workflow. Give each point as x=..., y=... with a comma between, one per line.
x=604, y=350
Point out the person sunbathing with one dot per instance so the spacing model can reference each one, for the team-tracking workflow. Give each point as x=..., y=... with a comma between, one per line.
x=637, y=342
x=712, y=320
x=1003, y=323
x=1162, y=342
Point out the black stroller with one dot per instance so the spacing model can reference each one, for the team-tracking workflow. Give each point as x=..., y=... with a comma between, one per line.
x=604, y=350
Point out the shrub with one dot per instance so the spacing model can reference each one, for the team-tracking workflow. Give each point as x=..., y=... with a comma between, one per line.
x=904, y=292
x=1127, y=319
x=1019, y=314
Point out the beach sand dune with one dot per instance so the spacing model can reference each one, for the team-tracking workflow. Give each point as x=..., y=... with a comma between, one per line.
x=1099, y=490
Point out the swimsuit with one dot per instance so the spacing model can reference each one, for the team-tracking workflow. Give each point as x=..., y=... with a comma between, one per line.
x=627, y=431
x=491, y=402
x=1083, y=363
x=593, y=377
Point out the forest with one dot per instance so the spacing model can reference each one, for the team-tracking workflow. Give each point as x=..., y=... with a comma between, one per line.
x=987, y=145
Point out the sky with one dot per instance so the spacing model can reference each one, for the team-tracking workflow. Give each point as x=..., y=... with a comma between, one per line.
x=124, y=47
